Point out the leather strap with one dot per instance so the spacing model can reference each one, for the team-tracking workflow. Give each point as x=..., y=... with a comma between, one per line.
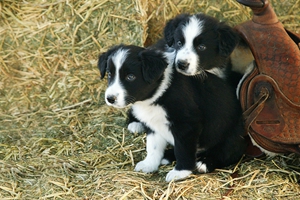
x=253, y=111
x=252, y=3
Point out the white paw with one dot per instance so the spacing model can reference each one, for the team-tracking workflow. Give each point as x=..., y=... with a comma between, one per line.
x=146, y=166
x=177, y=175
x=201, y=167
x=136, y=127
x=164, y=162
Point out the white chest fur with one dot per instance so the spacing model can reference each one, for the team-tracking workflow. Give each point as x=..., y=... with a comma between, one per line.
x=155, y=117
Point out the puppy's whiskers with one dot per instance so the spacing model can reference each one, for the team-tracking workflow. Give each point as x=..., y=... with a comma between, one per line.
x=130, y=99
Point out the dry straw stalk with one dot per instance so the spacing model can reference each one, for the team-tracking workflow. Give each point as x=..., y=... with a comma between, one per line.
x=58, y=139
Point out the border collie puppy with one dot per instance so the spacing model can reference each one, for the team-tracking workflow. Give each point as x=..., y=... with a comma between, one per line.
x=202, y=43
x=199, y=116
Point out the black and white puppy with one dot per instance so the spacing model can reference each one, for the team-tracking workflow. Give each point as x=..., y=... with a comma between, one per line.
x=199, y=116
x=202, y=43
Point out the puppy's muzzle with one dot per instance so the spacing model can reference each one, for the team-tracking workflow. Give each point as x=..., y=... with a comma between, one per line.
x=182, y=65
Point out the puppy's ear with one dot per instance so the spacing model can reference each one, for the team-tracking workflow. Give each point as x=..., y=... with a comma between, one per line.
x=171, y=26
x=102, y=64
x=153, y=64
x=103, y=59
x=228, y=39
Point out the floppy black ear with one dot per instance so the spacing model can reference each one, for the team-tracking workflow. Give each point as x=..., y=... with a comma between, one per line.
x=102, y=64
x=228, y=39
x=171, y=26
x=103, y=59
x=153, y=64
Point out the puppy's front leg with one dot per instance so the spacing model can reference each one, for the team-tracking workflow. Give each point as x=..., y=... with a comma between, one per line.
x=155, y=147
x=134, y=125
x=185, y=153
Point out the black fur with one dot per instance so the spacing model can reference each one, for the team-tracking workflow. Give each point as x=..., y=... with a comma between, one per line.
x=218, y=33
x=219, y=38
x=151, y=65
x=202, y=113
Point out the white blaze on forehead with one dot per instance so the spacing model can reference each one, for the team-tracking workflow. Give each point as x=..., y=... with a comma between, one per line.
x=116, y=88
x=191, y=30
x=119, y=57
x=187, y=53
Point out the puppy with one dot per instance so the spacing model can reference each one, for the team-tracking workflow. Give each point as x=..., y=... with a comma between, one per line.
x=202, y=43
x=198, y=115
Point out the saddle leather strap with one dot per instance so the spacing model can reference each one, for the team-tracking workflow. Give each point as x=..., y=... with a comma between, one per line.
x=253, y=111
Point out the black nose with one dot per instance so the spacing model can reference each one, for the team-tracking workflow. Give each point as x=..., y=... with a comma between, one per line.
x=111, y=99
x=183, y=65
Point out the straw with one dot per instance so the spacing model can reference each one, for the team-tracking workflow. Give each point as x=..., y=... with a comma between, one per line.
x=58, y=138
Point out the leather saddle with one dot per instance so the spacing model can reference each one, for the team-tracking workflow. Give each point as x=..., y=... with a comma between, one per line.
x=270, y=94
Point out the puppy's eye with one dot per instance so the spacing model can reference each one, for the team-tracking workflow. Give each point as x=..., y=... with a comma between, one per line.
x=179, y=43
x=201, y=47
x=130, y=77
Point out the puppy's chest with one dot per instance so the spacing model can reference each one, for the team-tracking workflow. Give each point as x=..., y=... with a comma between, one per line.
x=155, y=117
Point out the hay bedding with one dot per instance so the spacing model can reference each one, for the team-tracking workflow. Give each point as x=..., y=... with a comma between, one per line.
x=58, y=139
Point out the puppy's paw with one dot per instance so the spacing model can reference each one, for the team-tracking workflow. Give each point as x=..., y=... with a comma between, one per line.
x=177, y=175
x=136, y=127
x=201, y=167
x=146, y=166
x=165, y=162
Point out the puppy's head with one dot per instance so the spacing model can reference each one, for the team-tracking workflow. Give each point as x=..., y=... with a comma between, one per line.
x=134, y=73
x=201, y=42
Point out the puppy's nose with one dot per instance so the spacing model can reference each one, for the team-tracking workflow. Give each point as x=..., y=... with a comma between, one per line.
x=183, y=65
x=111, y=99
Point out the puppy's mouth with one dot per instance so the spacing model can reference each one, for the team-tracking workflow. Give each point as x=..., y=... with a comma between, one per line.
x=187, y=69
x=201, y=74
x=184, y=72
x=189, y=73
x=117, y=103
x=117, y=106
